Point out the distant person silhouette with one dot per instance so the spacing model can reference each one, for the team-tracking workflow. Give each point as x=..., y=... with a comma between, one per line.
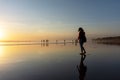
x=82, y=39
x=82, y=69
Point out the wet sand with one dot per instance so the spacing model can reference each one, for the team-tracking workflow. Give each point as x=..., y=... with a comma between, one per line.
x=59, y=62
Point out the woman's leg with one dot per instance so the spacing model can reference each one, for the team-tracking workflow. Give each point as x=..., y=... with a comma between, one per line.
x=82, y=48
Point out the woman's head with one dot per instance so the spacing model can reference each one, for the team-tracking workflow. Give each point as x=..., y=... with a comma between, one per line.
x=80, y=29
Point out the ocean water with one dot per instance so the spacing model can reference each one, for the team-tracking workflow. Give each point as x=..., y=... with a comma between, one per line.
x=59, y=62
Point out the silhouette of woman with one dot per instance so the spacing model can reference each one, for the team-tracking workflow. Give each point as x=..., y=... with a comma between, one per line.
x=82, y=69
x=82, y=39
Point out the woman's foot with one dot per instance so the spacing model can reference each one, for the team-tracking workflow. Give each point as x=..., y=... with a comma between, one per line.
x=82, y=53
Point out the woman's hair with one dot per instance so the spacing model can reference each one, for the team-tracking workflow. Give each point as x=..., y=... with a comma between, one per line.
x=81, y=29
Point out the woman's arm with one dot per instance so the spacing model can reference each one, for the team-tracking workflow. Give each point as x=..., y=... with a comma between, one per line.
x=79, y=36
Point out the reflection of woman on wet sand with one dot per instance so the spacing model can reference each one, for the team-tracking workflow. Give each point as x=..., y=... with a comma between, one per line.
x=82, y=39
x=82, y=68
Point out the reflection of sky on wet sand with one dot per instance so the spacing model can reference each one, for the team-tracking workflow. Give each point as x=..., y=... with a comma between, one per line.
x=58, y=62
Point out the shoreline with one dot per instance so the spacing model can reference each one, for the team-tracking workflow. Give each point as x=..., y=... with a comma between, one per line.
x=108, y=40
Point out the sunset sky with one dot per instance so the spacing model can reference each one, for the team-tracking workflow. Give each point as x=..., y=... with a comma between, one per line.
x=58, y=19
